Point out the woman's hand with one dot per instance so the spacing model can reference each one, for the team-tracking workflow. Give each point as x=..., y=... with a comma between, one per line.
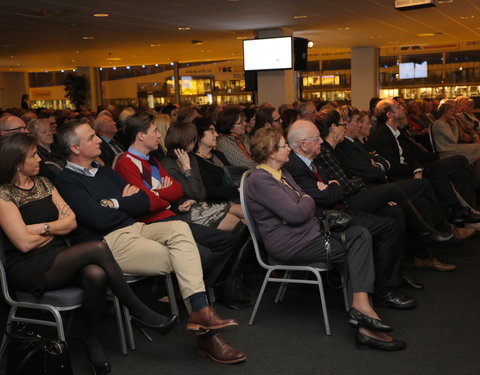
x=321, y=185
x=182, y=158
x=129, y=190
x=186, y=206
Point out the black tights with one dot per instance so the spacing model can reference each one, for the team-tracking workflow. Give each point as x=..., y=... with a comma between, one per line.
x=93, y=266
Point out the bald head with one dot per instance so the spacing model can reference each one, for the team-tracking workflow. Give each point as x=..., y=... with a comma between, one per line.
x=304, y=138
x=11, y=124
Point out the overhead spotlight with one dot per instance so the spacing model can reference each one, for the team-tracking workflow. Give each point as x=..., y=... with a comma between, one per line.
x=128, y=67
x=101, y=14
x=172, y=64
x=156, y=65
x=183, y=28
x=310, y=44
x=101, y=68
x=143, y=66
x=114, y=68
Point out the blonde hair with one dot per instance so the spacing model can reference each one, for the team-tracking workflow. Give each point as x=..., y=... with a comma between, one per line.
x=162, y=122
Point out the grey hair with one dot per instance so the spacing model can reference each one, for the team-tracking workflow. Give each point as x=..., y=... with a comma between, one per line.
x=124, y=114
x=296, y=134
x=67, y=136
x=98, y=123
x=35, y=124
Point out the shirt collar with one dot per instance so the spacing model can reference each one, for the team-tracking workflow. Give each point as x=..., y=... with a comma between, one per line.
x=276, y=174
x=395, y=132
x=350, y=139
x=106, y=139
x=84, y=171
x=307, y=161
x=138, y=154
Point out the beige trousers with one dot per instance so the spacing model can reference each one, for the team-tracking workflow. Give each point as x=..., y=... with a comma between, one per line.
x=157, y=249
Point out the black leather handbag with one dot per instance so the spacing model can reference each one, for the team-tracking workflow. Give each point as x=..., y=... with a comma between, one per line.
x=337, y=220
x=27, y=353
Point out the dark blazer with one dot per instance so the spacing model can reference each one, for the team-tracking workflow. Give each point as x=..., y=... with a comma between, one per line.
x=108, y=155
x=358, y=162
x=305, y=178
x=384, y=142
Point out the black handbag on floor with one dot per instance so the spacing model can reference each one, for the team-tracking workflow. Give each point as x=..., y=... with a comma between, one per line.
x=27, y=353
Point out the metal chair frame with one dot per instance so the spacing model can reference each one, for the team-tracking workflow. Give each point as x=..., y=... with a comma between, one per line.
x=272, y=265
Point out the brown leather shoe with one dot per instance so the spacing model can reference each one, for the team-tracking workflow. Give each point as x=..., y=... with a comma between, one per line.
x=434, y=264
x=461, y=234
x=219, y=350
x=207, y=319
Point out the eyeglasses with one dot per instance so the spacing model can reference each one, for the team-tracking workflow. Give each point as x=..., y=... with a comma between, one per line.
x=212, y=129
x=19, y=129
x=341, y=124
x=276, y=119
x=284, y=146
x=315, y=139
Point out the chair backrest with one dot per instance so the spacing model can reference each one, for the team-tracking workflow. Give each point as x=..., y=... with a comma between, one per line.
x=252, y=227
x=115, y=160
x=430, y=136
x=3, y=272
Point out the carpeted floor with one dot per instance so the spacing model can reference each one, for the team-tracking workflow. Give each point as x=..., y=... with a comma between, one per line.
x=442, y=334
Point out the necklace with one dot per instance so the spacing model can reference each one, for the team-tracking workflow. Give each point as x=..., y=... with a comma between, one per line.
x=204, y=156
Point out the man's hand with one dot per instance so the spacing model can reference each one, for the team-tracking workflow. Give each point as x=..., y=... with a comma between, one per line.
x=166, y=182
x=321, y=185
x=129, y=190
x=392, y=203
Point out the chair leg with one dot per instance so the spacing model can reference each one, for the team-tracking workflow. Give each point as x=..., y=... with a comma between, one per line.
x=211, y=295
x=120, y=325
x=346, y=293
x=283, y=288
x=324, y=303
x=259, y=298
x=128, y=328
x=171, y=296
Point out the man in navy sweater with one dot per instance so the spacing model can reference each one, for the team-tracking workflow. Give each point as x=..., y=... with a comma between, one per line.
x=105, y=206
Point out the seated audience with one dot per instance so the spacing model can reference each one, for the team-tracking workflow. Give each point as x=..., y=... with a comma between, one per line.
x=35, y=218
x=42, y=131
x=105, y=206
x=182, y=165
x=466, y=131
x=165, y=194
x=106, y=129
x=291, y=233
x=266, y=118
x=232, y=141
x=211, y=163
x=162, y=122
x=408, y=159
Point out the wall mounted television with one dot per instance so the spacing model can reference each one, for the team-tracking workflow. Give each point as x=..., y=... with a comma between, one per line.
x=413, y=70
x=268, y=54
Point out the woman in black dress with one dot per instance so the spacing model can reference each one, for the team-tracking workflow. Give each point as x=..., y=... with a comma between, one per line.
x=35, y=217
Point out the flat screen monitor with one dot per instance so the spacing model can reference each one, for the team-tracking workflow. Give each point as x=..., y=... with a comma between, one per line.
x=267, y=54
x=413, y=70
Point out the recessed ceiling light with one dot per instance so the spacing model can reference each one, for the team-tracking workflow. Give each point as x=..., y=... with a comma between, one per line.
x=156, y=64
x=101, y=68
x=310, y=44
x=155, y=44
x=466, y=17
x=114, y=68
x=101, y=14
x=143, y=66
x=88, y=37
x=184, y=28
x=426, y=34
x=128, y=67
x=299, y=17
x=242, y=37
x=444, y=1
x=113, y=58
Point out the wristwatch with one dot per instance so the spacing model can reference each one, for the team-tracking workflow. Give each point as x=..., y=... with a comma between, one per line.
x=104, y=203
x=46, y=229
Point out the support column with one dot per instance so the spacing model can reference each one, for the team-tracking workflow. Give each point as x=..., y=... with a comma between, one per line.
x=276, y=86
x=365, y=76
x=176, y=81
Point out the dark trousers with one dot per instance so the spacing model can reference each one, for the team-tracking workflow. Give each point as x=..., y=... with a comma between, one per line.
x=386, y=253
x=358, y=254
x=441, y=172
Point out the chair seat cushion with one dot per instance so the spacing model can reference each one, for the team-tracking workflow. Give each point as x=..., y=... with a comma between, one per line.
x=59, y=298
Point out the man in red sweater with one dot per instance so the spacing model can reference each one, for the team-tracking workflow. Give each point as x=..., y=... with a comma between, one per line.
x=166, y=195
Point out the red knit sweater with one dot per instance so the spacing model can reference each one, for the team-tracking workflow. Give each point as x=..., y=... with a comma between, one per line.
x=128, y=166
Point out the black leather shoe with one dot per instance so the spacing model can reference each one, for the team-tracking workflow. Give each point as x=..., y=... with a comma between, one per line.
x=464, y=215
x=394, y=300
x=163, y=328
x=365, y=342
x=356, y=318
x=436, y=236
x=410, y=283
x=100, y=365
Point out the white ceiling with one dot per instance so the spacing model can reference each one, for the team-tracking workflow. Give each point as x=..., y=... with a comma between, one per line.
x=47, y=34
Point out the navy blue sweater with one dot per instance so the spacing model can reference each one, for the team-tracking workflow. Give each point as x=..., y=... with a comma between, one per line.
x=83, y=194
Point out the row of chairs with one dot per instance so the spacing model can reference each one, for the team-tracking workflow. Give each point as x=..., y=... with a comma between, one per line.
x=67, y=299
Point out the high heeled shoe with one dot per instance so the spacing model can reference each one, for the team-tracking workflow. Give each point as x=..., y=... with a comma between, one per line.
x=101, y=367
x=365, y=342
x=356, y=318
x=162, y=328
